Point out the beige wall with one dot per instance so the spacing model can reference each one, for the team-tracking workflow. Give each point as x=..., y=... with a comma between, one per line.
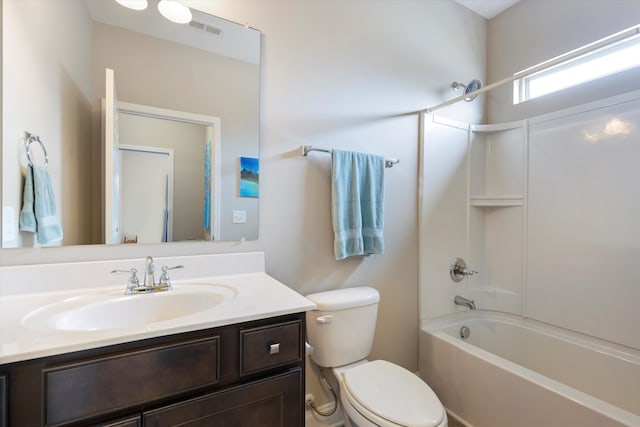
x=351, y=75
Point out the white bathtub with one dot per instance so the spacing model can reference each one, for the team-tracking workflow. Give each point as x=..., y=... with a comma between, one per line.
x=514, y=372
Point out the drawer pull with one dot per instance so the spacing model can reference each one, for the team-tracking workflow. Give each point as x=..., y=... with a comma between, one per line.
x=270, y=346
x=274, y=348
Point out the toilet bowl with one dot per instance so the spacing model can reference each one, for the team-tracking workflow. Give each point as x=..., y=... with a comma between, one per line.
x=372, y=393
x=380, y=393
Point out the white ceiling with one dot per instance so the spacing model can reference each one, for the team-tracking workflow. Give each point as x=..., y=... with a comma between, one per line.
x=488, y=8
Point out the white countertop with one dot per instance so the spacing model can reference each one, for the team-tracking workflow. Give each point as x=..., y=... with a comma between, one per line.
x=250, y=296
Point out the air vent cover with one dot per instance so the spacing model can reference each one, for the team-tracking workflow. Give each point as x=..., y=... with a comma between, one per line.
x=207, y=28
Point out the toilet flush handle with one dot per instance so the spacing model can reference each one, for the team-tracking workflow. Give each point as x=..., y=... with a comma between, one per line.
x=325, y=319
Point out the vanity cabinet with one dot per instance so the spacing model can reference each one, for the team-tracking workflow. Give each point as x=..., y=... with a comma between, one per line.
x=248, y=374
x=3, y=401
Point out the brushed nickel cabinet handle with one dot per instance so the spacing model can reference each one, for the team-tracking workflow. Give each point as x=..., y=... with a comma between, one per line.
x=274, y=348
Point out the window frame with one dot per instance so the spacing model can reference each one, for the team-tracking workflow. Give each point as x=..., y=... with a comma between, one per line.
x=593, y=53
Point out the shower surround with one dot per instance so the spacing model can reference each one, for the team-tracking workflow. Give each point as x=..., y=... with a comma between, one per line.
x=546, y=210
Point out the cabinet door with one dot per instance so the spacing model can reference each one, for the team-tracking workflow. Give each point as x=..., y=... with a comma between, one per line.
x=3, y=401
x=272, y=402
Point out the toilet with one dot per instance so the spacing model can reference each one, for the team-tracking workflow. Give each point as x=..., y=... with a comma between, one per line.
x=372, y=393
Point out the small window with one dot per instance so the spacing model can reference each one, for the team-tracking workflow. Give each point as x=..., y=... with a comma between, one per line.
x=611, y=55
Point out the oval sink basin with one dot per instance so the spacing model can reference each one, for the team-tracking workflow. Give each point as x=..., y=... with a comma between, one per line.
x=128, y=312
x=115, y=311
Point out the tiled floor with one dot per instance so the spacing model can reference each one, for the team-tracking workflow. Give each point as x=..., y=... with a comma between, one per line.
x=453, y=423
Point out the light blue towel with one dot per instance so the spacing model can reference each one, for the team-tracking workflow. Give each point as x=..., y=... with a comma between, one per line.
x=27, y=214
x=38, y=213
x=357, y=204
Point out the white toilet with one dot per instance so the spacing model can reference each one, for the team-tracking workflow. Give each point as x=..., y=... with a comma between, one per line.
x=376, y=393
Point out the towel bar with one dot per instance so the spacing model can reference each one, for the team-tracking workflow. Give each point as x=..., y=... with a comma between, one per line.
x=305, y=149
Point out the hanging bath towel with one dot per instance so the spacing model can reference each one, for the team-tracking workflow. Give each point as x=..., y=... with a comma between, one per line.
x=38, y=213
x=357, y=203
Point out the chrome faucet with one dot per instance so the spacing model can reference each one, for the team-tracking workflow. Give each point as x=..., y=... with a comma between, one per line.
x=465, y=302
x=149, y=284
x=149, y=277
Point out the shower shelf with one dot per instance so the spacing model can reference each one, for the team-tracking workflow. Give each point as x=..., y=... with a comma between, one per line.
x=497, y=201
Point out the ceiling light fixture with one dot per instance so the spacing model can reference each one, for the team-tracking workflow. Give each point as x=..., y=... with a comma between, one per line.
x=134, y=4
x=175, y=11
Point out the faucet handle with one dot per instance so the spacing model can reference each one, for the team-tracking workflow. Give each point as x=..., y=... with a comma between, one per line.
x=133, y=281
x=469, y=272
x=165, y=281
x=458, y=270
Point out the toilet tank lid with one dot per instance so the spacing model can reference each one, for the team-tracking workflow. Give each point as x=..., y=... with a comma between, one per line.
x=341, y=299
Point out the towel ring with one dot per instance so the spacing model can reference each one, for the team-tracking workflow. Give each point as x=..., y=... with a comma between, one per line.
x=31, y=138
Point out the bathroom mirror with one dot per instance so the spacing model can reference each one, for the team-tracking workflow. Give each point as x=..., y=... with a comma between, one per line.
x=55, y=56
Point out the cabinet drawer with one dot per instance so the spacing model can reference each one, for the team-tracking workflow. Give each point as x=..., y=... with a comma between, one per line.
x=269, y=346
x=81, y=390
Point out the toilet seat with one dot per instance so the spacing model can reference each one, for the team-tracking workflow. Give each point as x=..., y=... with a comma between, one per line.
x=391, y=395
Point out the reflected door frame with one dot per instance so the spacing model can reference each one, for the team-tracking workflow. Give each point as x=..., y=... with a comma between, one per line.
x=146, y=184
x=214, y=130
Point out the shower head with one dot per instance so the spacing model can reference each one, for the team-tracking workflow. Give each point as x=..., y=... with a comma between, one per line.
x=472, y=86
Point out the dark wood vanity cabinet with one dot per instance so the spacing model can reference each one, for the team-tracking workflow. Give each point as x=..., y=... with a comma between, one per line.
x=249, y=374
x=3, y=401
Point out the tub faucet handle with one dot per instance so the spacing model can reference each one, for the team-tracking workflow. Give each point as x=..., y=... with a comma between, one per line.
x=458, y=270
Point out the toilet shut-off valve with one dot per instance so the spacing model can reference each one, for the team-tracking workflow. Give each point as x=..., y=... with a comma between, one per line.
x=458, y=270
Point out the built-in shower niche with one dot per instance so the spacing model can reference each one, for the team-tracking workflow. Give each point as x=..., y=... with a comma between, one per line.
x=497, y=170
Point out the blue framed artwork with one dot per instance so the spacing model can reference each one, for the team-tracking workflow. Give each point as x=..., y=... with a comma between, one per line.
x=249, y=177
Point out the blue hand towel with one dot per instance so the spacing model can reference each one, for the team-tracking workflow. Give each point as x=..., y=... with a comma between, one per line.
x=27, y=214
x=38, y=213
x=357, y=205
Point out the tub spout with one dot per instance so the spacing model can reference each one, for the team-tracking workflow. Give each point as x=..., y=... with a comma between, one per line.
x=465, y=302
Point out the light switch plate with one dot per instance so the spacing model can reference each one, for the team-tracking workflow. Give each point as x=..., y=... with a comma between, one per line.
x=9, y=225
x=239, y=217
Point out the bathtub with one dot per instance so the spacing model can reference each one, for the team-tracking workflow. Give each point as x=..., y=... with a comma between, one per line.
x=515, y=372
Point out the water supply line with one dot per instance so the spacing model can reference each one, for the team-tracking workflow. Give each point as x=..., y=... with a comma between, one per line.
x=309, y=400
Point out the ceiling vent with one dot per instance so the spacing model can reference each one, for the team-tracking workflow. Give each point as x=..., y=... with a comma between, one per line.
x=207, y=28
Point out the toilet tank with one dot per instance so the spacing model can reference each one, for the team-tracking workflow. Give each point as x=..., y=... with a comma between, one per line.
x=342, y=327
